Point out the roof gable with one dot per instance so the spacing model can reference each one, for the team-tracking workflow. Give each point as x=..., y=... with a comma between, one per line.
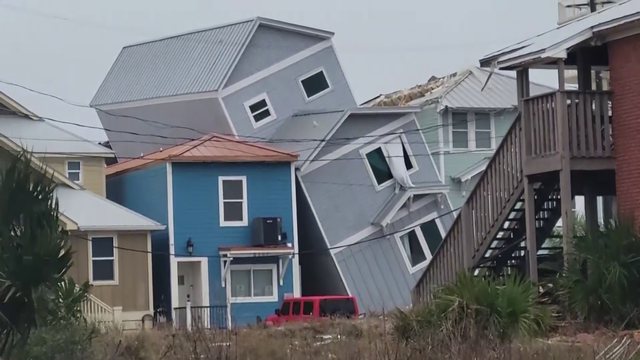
x=307, y=132
x=193, y=62
x=209, y=148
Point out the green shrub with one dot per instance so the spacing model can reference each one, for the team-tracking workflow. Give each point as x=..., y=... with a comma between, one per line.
x=60, y=341
x=476, y=308
x=600, y=284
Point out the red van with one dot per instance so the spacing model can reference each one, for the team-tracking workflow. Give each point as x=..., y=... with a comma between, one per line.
x=314, y=307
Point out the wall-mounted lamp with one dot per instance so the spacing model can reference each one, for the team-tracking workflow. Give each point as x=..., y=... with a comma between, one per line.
x=190, y=246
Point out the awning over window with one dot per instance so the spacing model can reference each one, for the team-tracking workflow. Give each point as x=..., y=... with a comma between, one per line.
x=229, y=253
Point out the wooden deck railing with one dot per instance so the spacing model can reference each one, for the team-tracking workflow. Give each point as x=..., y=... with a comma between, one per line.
x=589, y=124
x=480, y=216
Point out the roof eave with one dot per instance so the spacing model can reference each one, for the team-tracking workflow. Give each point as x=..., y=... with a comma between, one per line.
x=121, y=227
x=295, y=27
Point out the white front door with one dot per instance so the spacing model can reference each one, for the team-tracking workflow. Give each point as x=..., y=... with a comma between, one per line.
x=185, y=282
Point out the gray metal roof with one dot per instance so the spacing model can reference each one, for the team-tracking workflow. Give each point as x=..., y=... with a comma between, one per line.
x=176, y=65
x=92, y=212
x=41, y=137
x=194, y=62
x=564, y=36
x=304, y=132
x=463, y=90
x=500, y=92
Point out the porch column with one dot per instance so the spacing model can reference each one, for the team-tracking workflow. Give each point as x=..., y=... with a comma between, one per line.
x=530, y=223
x=565, y=173
x=590, y=209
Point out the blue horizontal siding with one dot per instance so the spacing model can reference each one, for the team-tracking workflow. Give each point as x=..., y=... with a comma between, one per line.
x=196, y=216
x=145, y=192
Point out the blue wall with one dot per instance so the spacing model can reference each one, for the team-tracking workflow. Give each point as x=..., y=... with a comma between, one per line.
x=145, y=192
x=196, y=216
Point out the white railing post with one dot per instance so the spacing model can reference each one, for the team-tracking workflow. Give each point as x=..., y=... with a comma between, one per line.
x=117, y=314
x=188, y=311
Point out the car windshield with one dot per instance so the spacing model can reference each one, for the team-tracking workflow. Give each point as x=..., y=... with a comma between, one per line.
x=337, y=307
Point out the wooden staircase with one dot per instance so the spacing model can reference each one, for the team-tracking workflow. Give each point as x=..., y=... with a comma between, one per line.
x=489, y=233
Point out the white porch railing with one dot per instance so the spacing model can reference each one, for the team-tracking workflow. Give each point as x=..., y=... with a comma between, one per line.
x=96, y=310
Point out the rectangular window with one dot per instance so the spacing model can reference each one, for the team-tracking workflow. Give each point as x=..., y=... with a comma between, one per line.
x=286, y=307
x=232, y=191
x=379, y=167
x=260, y=110
x=74, y=171
x=315, y=84
x=307, y=308
x=459, y=130
x=419, y=243
x=103, y=267
x=483, y=130
x=253, y=283
x=295, y=309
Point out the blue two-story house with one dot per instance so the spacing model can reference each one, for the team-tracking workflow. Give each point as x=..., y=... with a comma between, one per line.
x=231, y=238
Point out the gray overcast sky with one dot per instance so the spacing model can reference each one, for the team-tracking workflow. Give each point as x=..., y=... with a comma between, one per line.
x=65, y=47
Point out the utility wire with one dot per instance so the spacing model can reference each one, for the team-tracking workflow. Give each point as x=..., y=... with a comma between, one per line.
x=217, y=256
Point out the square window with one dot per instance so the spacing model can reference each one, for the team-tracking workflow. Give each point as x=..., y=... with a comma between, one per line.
x=103, y=268
x=74, y=171
x=260, y=110
x=315, y=84
x=250, y=283
x=233, y=203
x=379, y=166
x=413, y=248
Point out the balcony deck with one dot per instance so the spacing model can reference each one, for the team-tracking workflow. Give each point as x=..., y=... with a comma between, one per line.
x=581, y=131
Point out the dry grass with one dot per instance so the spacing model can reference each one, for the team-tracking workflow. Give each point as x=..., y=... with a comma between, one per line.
x=370, y=339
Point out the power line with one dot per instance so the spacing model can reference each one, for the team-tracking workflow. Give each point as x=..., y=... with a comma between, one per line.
x=170, y=126
x=217, y=256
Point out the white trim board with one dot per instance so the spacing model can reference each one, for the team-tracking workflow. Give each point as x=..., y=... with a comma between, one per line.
x=173, y=264
x=324, y=235
x=310, y=166
x=297, y=281
x=150, y=270
x=275, y=68
x=158, y=100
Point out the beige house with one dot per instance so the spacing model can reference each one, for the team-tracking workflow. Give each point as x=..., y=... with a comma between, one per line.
x=112, y=244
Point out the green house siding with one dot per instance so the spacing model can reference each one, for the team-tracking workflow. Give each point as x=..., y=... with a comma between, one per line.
x=454, y=163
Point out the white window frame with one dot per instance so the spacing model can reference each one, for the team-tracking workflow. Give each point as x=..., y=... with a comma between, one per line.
x=115, y=281
x=471, y=131
x=251, y=267
x=266, y=120
x=221, y=201
x=67, y=172
x=309, y=74
x=423, y=242
x=381, y=144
